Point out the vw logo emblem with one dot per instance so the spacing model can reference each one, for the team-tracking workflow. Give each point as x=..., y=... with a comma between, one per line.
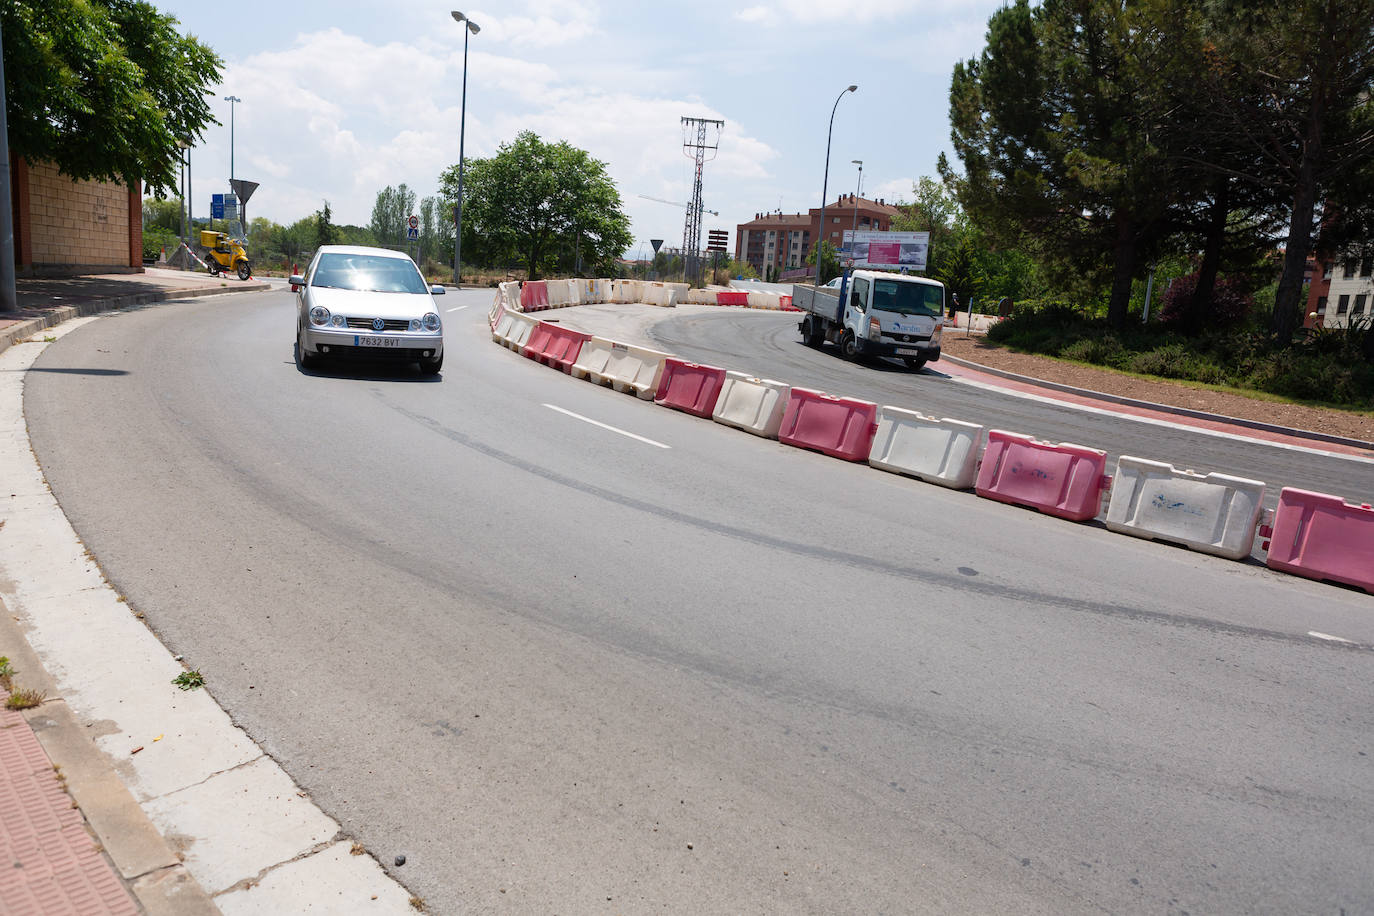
x=378, y=324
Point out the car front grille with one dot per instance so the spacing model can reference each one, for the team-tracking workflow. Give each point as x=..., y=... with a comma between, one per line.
x=392, y=324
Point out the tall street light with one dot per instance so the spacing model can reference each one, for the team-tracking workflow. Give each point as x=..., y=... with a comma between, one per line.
x=231, y=99
x=471, y=28
x=858, y=194
x=825, y=183
x=9, y=294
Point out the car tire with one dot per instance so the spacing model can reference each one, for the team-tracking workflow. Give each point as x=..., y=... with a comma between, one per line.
x=849, y=346
x=307, y=359
x=432, y=366
x=914, y=363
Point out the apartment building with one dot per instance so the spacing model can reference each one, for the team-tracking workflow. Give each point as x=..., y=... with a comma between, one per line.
x=783, y=241
x=1344, y=294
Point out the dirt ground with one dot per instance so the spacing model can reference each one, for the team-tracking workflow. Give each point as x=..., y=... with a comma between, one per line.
x=976, y=349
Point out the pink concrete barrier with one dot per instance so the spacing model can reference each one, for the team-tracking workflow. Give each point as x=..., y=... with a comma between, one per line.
x=1320, y=536
x=554, y=345
x=1063, y=480
x=725, y=297
x=786, y=303
x=690, y=387
x=839, y=427
x=534, y=296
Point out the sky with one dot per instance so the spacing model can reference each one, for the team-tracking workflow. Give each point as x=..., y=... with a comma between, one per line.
x=343, y=98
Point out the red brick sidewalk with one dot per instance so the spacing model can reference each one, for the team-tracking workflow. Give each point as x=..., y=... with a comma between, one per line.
x=49, y=862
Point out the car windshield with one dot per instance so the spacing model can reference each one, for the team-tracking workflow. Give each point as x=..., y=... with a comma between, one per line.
x=906, y=298
x=368, y=273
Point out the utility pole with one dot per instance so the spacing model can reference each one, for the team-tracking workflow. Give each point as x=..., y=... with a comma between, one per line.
x=695, y=146
x=231, y=99
x=9, y=296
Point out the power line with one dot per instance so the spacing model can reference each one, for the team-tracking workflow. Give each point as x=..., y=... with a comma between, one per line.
x=695, y=146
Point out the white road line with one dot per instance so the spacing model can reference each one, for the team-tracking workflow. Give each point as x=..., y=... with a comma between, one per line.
x=1328, y=636
x=458, y=309
x=1152, y=421
x=578, y=416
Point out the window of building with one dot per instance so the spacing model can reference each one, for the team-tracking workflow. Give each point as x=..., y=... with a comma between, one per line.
x=1359, y=304
x=1349, y=270
x=1342, y=304
x=1321, y=305
x=1326, y=274
x=835, y=220
x=1367, y=268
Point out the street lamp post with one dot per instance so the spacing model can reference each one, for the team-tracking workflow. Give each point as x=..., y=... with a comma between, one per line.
x=825, y=183
x=231, y=99
x=471, y=28
x=858, y=194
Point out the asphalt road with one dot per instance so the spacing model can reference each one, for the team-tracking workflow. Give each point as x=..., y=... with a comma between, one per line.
x=562, y=669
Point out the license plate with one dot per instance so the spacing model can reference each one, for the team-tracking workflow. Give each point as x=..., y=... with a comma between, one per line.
x=909, y=351
x=360, y=340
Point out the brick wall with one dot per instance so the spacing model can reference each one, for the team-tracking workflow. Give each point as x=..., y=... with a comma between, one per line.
x=79, y=224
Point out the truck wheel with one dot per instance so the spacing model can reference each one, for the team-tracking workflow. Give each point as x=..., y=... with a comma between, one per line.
x=849, y=346
x=914, y=363
x=812, y=335
x=245, y=270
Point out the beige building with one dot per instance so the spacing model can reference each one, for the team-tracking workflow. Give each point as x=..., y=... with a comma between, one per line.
x=1349, y=297
x=783, y=240
x=67, y=226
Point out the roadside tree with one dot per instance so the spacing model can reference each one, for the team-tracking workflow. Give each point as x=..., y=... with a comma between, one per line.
x=104, y=89
x=539, y=202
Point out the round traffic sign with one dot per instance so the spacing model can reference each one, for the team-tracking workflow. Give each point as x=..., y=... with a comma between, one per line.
x=414, y=221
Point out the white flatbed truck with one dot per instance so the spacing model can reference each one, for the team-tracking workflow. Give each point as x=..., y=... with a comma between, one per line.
x=875, y=313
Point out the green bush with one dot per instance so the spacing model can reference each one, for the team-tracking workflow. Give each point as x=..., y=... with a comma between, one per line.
x=1335, y=366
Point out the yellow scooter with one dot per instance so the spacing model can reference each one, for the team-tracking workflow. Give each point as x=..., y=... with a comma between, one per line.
x=225, y=254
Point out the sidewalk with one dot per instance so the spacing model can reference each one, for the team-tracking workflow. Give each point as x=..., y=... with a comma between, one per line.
x=46, y=302
x=72, y=837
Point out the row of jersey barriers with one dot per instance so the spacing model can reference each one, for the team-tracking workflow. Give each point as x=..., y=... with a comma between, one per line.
x=1315, y=535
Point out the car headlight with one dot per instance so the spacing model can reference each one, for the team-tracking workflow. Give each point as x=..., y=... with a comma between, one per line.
x=319, y=316
x=415, y=324
x=431, y=321
x=338, y=321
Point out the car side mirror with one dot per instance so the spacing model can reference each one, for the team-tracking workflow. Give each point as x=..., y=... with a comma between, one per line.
x=436, y=290
x=296, y=281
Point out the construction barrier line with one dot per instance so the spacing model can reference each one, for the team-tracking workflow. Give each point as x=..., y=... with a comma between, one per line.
x=943, y=452
x=1212, y=513
x=1063, y=480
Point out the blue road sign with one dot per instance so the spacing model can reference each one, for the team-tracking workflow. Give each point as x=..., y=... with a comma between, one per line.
x=217, y=206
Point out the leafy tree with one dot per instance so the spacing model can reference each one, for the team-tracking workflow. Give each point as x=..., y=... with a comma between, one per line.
x=830, y=260
x=1298, y=109
x=104, y=88
x=161, y=213
x=324, y=226
x=353, y=235
x=1061, y=135
x=390, y=212
x=534, y=199
x=961, y=273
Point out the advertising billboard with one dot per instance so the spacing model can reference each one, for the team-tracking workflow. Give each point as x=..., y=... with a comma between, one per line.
x=887, y=250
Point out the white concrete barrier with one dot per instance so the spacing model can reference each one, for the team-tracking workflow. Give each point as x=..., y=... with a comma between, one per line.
x=762, y=300
x=623, y=292
x=701, y=296
x=510, y=292
x=592, y=358
x=942, y=451
x=519, y=333
x=501, y=332
x=558, y=293
x=632, y=370
x=659, y=294
x=754, y=405
x=1213, y=513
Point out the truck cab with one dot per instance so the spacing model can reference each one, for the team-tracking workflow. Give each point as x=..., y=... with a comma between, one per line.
x=876, y=313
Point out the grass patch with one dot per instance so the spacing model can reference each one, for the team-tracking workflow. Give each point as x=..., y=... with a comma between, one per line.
x=25, y=698
x=1328, y=367
x=189, y=680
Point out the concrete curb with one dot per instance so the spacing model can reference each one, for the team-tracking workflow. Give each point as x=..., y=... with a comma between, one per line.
x=151, y=871
x=234, y=834
x=53, y=317
x=1162, y=408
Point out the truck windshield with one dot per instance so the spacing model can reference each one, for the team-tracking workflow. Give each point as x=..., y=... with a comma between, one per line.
x=907, y=298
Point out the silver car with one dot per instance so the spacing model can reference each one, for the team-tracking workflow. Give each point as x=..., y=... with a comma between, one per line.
x=367, y=303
